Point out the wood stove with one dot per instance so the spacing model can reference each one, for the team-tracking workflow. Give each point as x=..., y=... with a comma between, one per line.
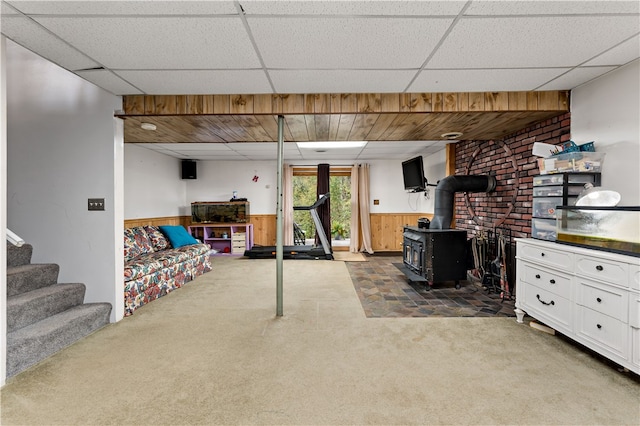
x=435, y=255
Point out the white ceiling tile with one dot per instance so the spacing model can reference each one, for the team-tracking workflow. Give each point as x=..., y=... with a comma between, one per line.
x=575, y=78
x=340, y=81
x=556, y=7
x=125, y=7
x=30, y=35
x=219, y=158
x=516, y=42
x=158, y=42
x=252, y=147
x=619, y=55
x=261, y=157
x=491, y=80
x=204, y=152
x=6, y=10
x=436, y=148
x=346, y=43
x=109, y=82
x=198, y=82
x=352, y=8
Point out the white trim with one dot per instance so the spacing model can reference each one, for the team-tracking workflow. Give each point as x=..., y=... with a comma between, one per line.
x=117, y=311
x=14, y=238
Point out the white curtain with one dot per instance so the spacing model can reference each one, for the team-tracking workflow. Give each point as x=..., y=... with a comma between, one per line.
x=360, y=220
x=287, y=205
x=354, y=245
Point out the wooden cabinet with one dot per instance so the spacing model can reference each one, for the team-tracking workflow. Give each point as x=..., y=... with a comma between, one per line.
x=225, y=238
x=588, y=295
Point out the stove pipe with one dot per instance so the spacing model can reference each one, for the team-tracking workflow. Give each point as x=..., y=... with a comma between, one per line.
x=447, y=187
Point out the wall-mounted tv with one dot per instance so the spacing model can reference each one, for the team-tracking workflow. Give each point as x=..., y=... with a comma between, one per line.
x=413, y=174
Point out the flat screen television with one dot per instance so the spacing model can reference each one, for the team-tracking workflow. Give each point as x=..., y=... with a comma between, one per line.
x=413, y=174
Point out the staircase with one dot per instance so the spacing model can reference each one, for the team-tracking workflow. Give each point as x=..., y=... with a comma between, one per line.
x=43, y=316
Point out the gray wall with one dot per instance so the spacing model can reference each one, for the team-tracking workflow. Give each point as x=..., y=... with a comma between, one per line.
x=63, y=148
x=606, y=111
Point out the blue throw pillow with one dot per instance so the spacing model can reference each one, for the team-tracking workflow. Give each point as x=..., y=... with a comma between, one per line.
x=178, y=236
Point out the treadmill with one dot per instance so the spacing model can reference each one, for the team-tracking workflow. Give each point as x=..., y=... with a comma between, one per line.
x=323, y=251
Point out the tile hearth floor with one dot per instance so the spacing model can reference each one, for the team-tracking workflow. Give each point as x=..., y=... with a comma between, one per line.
x=385, y=291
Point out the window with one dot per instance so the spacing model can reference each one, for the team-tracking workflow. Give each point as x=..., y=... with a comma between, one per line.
x=304, y=194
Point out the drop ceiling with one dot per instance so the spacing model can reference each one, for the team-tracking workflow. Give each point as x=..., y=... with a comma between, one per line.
x=289, y=47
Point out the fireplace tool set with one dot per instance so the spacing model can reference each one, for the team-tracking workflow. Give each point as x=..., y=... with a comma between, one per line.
x=491, y=251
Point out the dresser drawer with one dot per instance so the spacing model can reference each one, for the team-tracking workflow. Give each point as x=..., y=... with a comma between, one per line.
x=634, y=310
x=549, y=280
x=607, y=332
x=546, y=256
x=602, y=269
x=635, y=348
x=558, y=309
x=602, y=298
x=634, y=276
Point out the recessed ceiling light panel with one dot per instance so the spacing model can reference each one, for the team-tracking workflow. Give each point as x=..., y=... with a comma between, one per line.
x=331, y=144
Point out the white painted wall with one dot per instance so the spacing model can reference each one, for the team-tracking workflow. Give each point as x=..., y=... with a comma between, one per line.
x=387, y=185
x=218, y=179
x=607, y=110
x=60, y=146
x=170, y=195
x=153, y=187
x=3, y=211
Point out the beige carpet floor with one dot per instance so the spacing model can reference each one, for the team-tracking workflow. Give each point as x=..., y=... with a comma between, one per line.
x=213, y=352
x=346, y=256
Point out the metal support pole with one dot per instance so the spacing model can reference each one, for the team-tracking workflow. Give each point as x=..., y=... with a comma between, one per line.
x=279, y=233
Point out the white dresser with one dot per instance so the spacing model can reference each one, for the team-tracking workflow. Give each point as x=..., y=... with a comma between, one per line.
x=591, y=296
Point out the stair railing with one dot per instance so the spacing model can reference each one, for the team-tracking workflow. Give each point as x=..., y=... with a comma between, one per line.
x=14, y=239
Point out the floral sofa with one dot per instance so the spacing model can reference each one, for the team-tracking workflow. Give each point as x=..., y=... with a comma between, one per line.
x=154, y=266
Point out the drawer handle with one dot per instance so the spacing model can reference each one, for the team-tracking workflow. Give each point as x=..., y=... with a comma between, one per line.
x=552, y=281
x=543, y=302
x=542, y=254
x=538, y=276
x=599, y=326
x=598, y=300
x=599, y=268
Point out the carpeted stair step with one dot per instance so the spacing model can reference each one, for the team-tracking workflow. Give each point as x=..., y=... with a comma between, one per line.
x=17, y=256
x=30, y=345
x=33, y=306
x=24, y=278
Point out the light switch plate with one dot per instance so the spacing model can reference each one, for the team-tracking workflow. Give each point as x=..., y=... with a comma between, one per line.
x=96, y=204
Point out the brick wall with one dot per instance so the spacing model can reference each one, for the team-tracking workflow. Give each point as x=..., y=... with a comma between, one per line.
x=511, y=162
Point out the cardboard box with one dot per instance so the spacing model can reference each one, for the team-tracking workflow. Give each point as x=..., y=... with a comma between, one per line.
x=572, y=162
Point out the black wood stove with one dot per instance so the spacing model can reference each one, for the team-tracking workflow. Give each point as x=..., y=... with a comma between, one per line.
x=438, y=253
x=435, y=255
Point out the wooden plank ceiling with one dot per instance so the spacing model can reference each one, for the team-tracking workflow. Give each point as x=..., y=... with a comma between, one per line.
x=336, y=117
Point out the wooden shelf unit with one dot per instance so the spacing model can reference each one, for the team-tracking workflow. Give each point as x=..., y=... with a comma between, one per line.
x=226, y=238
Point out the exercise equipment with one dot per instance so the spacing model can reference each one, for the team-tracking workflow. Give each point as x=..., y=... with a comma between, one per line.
x=322, y=251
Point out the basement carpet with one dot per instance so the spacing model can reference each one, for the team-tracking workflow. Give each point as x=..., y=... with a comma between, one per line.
x=384, y=291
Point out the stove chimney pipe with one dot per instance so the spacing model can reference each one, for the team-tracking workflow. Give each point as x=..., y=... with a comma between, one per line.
x=447, y=187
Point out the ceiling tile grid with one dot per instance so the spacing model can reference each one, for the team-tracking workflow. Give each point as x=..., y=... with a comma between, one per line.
x=287, y=47
x=296, y=46
x=268, y=151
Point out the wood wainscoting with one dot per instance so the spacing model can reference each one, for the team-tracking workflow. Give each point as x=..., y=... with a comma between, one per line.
x=386, y=228
x=264, y=225
x=264, y=229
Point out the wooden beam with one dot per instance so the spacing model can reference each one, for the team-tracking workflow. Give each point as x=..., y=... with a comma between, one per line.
x=345, y=103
